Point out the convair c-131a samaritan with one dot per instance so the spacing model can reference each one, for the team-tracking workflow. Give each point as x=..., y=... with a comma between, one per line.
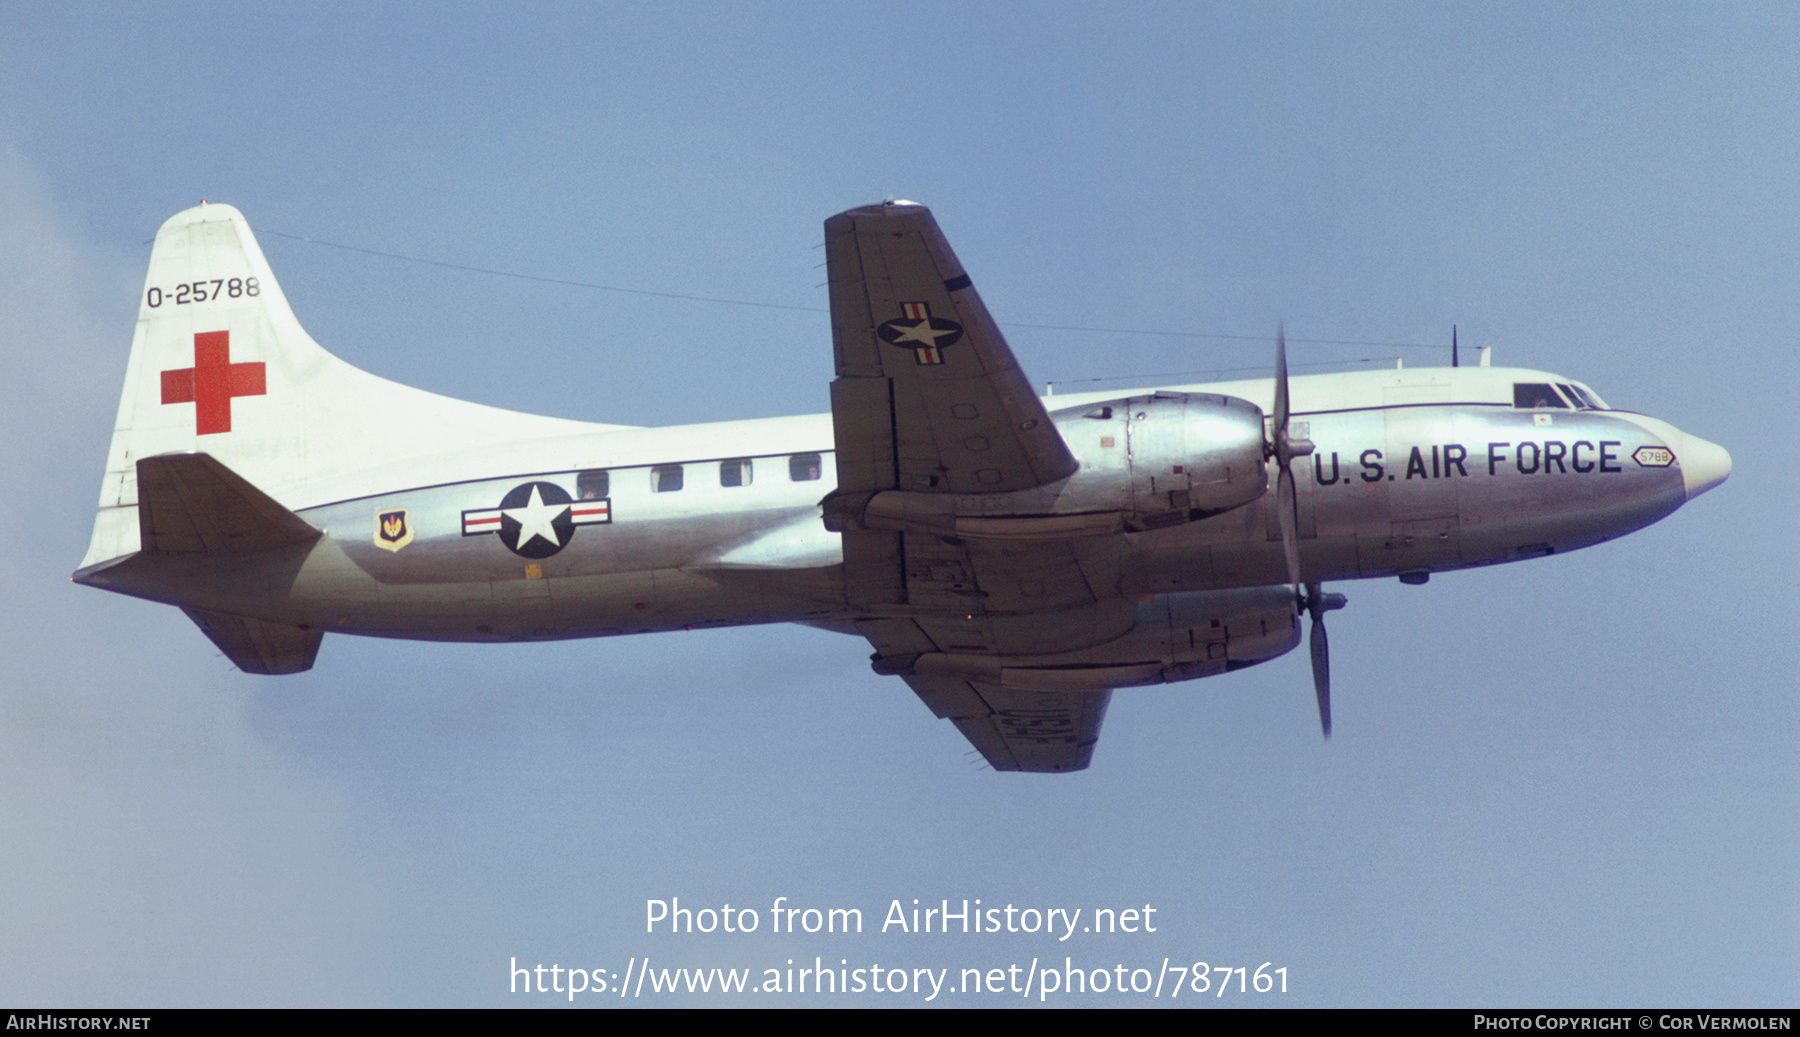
x=1012, y=558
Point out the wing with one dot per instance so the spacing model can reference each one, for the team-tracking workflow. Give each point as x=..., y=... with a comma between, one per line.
x=1014, y=729
x=1017, y=730
x=929, y=399
x=928, y=396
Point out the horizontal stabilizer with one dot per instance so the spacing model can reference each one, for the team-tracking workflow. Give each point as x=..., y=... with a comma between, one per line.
x=258, y=646
x=190, y=504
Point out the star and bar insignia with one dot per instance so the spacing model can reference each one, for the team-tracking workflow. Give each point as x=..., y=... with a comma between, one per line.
x=536, y=519
x=920, y=332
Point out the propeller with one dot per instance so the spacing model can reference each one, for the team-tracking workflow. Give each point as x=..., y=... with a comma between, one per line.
x=1317, y=602
x=1284, y=447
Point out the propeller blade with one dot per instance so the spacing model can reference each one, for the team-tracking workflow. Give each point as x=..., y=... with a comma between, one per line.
x=1281, y=449
x=1285, y=508
x=1318, y=603
x=1321, y=662
x=1281, y=383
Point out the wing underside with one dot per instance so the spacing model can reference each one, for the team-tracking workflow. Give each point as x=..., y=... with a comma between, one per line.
x=1015, y=729
x=928, y=396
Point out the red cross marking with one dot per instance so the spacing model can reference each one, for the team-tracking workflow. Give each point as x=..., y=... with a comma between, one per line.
x=212, y=382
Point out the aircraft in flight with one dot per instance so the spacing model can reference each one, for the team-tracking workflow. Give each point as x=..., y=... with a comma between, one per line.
x=1013, y=558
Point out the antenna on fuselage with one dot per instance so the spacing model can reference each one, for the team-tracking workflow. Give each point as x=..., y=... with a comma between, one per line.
x=1454, y=360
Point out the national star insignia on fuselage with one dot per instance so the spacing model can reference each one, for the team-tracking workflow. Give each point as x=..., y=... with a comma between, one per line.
x=535, y=519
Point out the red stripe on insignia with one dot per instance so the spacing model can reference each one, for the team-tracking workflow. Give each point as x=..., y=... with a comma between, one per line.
x=917, y=310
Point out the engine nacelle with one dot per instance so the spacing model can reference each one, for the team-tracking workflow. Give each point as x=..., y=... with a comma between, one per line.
x=1192, y=455
x=1176, y=637
x=1146, y=462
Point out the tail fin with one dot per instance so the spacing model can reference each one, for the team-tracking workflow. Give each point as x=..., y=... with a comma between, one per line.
x=220, y=365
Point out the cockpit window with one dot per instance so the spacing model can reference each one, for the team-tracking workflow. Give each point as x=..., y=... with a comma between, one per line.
x=1536, y=394
x=1579, y=395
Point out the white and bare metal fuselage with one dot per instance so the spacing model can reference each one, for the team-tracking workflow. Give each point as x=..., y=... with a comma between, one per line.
x=719, y=525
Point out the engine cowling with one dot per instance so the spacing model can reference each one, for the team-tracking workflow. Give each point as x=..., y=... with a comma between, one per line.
x=1147, y=462
x=1192, y=455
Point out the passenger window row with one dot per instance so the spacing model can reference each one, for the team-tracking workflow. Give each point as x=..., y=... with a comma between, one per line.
x=596, y=483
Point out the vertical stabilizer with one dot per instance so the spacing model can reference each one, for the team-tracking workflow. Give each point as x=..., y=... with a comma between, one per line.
x=220, y=366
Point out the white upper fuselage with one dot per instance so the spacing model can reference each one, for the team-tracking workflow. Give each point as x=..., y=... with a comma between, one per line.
x=667, y=554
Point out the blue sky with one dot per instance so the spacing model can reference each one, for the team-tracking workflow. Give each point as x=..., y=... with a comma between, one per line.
x=1569, y=782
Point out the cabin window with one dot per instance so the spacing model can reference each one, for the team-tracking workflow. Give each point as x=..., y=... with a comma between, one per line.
x=1536, y=394
x=804, y=467
x=592, y=484
x=665, y=478
x=735, y=472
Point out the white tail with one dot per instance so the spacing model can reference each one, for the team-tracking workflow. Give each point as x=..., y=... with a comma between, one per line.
x=219, y=365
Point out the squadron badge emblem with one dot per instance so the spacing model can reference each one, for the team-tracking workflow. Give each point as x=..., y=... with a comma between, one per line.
x=393, y=529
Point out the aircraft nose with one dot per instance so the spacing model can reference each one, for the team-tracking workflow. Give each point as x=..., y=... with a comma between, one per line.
x=1703, y=465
